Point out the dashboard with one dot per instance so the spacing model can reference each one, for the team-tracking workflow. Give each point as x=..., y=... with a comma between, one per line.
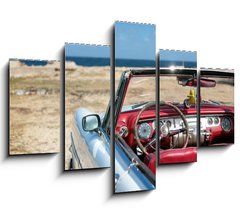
x=214, y=129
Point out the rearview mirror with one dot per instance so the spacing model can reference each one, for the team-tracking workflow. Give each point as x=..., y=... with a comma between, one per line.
x=207, y=83
x=91, y=122
x=193, y=82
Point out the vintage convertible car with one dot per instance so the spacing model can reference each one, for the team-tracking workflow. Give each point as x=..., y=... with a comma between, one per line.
x=135, y=124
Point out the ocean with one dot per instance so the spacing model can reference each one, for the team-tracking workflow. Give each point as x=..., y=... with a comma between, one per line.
x=34, y=62
x=87, y=61
x=134, y=63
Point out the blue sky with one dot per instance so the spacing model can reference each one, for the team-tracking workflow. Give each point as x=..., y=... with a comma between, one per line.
x=80, y=50
x=135, y=41
x=175, y=55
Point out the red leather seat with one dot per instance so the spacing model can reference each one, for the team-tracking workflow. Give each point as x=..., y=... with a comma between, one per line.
x=181, y=155
x=171, y=156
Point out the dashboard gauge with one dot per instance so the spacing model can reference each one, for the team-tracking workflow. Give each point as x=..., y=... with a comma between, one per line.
x=210, y=121
x=226, y=124
x=216, y=120
x=164, y=130
x=169, y=124
x=144, y=131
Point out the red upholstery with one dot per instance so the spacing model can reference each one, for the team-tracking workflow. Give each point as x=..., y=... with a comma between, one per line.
x=171, y=156
x=182, y=155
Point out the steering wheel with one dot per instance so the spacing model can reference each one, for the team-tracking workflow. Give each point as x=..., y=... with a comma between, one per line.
x=167, y=133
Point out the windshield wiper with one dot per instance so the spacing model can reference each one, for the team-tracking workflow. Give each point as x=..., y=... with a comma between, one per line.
x=138, y=105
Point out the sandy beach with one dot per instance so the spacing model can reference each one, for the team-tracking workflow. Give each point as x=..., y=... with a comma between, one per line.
x=34, y=108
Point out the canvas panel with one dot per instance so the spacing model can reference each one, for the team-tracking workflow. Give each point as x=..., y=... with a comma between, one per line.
x=34, y=92
x=87, y=95
x=135, y=107
x=216, y=107
x=178, y=107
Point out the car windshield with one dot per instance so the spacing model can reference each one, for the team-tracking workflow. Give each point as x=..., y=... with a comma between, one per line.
x=171, y=91
x=222, y=93
x=140, y=91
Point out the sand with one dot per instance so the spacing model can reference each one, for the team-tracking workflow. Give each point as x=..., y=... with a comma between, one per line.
x=35, y=113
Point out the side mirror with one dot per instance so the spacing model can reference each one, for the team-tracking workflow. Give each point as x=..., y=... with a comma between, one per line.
x=91, y=122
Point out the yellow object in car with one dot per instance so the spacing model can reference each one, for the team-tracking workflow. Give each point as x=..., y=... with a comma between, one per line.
x=192, y=97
